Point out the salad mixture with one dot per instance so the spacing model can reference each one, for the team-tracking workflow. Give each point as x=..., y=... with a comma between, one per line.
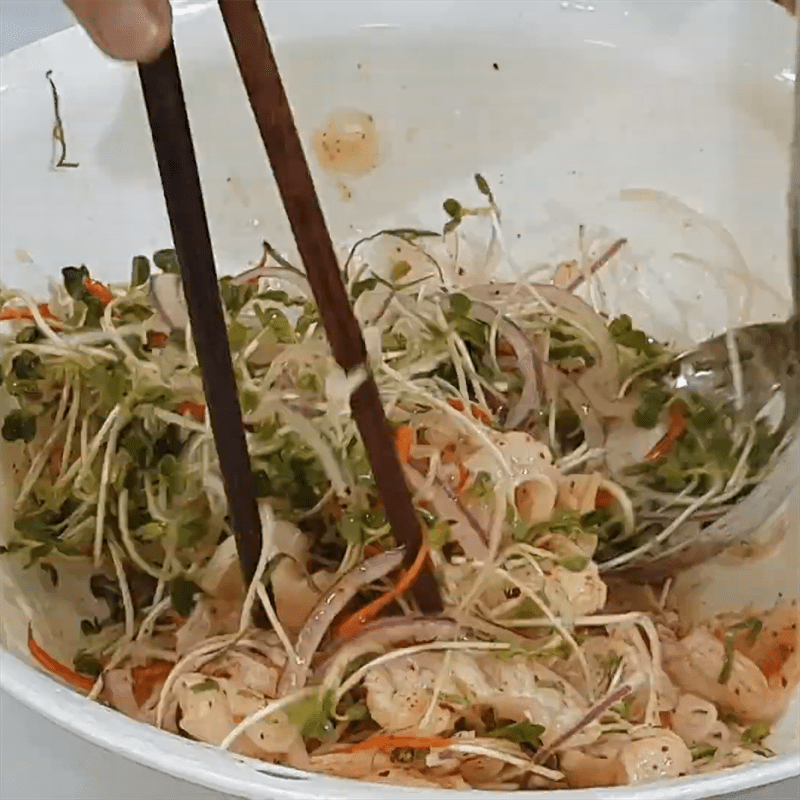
x=546, y=445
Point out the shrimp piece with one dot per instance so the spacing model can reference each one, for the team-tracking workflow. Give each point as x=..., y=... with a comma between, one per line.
x=573, y=594
x=776, y=648
x=295, y=597
x=399, y=693
x=211, y=708
x=584, y=771
x=536, y=499
x=695, y=664
x=659, y=755
x=694, y=719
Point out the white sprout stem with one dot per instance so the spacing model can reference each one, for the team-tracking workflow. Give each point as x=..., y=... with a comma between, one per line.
x=180, y=420
x=558, y=625
x=736, y=368
x=102, y=495
x=508, y=758
x=79, y=469
x=625, y=504
x=441, y=677
x=463, y=420
x=40, y=321
x=148, y=623
x=125, y=589
x=130, y=546
x=461, y=376
x=267, y=532
x=268, y=710
x=664, y=596
x=37, y=465
x=72, y=422
x=471, y=371
x=740, y=470
x=666, y=533
x=263, y=596
x=430, y=478
x=359, y=674
x=201, y=654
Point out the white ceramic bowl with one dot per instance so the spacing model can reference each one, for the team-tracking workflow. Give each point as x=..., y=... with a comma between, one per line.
x=559, y=104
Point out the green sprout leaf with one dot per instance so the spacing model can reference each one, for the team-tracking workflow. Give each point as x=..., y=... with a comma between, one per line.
x=208, y=685
x=753, y=625
x=140, y=270
x=755, y=733
x=182, y=592
x=167, y=261
x=19, y=426
x=312, y=715
x=524, y=732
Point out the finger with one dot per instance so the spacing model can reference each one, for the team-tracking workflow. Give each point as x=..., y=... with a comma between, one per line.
x=131, y=30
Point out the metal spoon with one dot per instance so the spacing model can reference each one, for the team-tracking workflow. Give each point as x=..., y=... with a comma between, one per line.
x=770, y=366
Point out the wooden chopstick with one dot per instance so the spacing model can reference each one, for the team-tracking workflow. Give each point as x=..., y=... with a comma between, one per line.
x=275, y=121
x=172, y=138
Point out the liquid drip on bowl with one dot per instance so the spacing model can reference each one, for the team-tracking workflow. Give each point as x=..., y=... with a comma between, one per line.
x=348, y=143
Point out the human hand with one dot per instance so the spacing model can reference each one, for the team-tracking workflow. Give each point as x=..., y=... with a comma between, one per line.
x=131, y=30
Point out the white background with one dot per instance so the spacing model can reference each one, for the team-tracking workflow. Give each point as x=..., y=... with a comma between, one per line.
x=39, y=761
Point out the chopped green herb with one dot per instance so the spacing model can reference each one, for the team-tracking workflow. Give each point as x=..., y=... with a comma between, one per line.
x=357, y=712
x=524, y=732
x=87, y=664
x=208, y=685
x=182, y=592
x=51, y=573
x=755, y=733
x=140, y=270
x=313, y=715
x=167, y=261
x=703, y=751
x=19, y=426
x=754, y=626
x=575, y=563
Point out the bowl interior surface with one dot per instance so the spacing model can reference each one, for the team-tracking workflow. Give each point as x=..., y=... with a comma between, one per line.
x=591, y=114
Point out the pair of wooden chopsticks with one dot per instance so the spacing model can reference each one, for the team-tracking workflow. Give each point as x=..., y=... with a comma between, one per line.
x=166, y=110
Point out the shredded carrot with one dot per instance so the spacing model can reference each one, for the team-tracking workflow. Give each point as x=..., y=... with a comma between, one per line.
x=388, y=743
x=477, y=412
x=98, y=290
x=372, y=549
x=463, y=478
x=603, y=498
x=403, y=440
x=83, y=682
x=505, y=349
x=355, y=622
x=147, y=677
x=676, y=429
x=481, y=415
x=8, y=313
x=157, y=339
x=195, y=410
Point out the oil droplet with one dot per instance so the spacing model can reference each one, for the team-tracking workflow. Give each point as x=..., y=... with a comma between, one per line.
x=348, y=143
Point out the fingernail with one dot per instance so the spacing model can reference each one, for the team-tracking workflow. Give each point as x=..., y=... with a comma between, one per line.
x=133, y=30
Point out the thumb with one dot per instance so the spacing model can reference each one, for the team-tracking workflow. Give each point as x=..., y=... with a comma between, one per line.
x=131, y=30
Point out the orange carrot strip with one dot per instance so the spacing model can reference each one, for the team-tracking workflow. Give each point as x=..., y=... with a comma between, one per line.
x=388, y=743
x=355, y=622
x=403, y=439
x=476, y=410
x=147, y=677
x=8, y=313
x=463, y=478
x=157, y=339
x=98, y=290
x=481, y=415
x=83, y=682
x=676, y=429
x=603, y=498
x=195, y=410
x=372, y=549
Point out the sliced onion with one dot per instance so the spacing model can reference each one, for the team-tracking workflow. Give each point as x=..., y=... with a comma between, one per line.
x=606, y=374
x=463, y=526
x=322, y=615
x=166, y=289
x=529, y=361
x=383, y=633
x=576, y=397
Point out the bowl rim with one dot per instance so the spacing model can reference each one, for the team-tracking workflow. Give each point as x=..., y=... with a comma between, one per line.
x=210, y=767
x=207, y=766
